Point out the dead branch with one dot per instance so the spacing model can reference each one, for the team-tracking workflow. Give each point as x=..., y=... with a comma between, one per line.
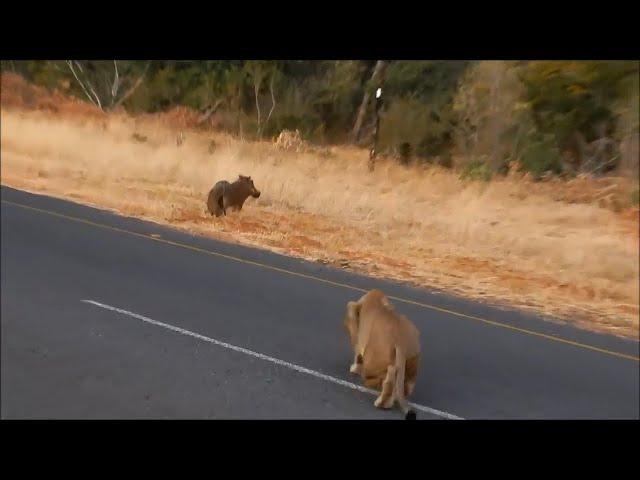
x=210, y=110
x=133, y=88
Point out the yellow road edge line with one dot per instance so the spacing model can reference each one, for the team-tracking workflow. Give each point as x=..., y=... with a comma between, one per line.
x=329, y=282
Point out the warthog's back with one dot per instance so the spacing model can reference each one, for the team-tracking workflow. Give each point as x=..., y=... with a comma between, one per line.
x=220, y=187
x=214, y=200
x=226, y=195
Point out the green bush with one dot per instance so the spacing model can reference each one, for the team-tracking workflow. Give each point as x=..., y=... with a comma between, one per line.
x=541, y=156
x=405, y=153
x=445, y=160
x=476, y=170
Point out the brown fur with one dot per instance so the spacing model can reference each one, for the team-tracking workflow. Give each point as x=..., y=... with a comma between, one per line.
x=226, y=195
x=386, y=349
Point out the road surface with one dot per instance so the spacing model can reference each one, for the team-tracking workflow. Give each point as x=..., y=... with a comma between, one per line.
x=111, y=317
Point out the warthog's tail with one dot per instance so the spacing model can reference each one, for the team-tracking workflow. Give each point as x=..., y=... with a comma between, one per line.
x=409, y=413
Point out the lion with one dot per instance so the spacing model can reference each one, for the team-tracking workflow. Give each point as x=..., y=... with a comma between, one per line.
x=386, y=349
x=225, y=195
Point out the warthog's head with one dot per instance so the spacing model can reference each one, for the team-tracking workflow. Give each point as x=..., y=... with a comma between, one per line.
x=253, y=191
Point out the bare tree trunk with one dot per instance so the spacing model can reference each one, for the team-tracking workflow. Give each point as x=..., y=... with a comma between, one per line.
x=273, y=99
x=239, y=112
x=376, y=77
x=133, y=88
x=96, y=102
x=111, y=88
x=210, y=110
x=496, y=117
x=116, y=83
x=89, y=85
x=256, y=89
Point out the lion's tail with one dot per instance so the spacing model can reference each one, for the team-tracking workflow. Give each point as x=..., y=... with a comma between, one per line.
x=409, y=413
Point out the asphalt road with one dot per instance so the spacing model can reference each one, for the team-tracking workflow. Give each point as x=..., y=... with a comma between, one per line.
x=214, y=330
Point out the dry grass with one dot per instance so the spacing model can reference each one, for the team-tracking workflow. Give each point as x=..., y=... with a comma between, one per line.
x=509, y=241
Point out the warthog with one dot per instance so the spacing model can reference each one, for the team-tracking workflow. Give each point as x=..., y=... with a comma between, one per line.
x=225, y=195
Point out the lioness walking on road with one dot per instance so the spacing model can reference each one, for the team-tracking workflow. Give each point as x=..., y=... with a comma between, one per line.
x=386, y=349
x=226, y=195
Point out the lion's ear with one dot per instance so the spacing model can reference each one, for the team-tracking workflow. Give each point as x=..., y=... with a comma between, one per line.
x=353, y=311
x=387, y=304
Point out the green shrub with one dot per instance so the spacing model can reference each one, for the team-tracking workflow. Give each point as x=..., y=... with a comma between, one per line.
x=476, y=170
x=540, y=156
x=491, y=111
x=405, y=153
x=445, y=160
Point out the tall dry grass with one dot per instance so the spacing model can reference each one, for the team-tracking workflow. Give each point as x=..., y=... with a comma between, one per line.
x=508, y=240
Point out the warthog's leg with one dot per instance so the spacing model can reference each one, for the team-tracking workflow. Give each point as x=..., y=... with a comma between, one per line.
x=220, y=210
x=386, y=398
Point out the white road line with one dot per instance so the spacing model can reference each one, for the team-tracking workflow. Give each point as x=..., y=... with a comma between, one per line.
x=277, y=361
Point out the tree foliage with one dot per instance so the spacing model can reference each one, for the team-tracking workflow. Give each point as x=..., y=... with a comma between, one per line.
x=547, y=115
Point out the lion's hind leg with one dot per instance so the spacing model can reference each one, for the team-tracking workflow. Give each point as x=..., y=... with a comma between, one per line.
x=374, y=383
x=357, y=365
x=410, y=375
x=387, y=398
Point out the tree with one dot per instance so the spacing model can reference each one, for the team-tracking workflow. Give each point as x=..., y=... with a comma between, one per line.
x=234, y=81
x=574, y=102
x=259, y=70
x=377, y=80
x=492, y=114
x=106, y=84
